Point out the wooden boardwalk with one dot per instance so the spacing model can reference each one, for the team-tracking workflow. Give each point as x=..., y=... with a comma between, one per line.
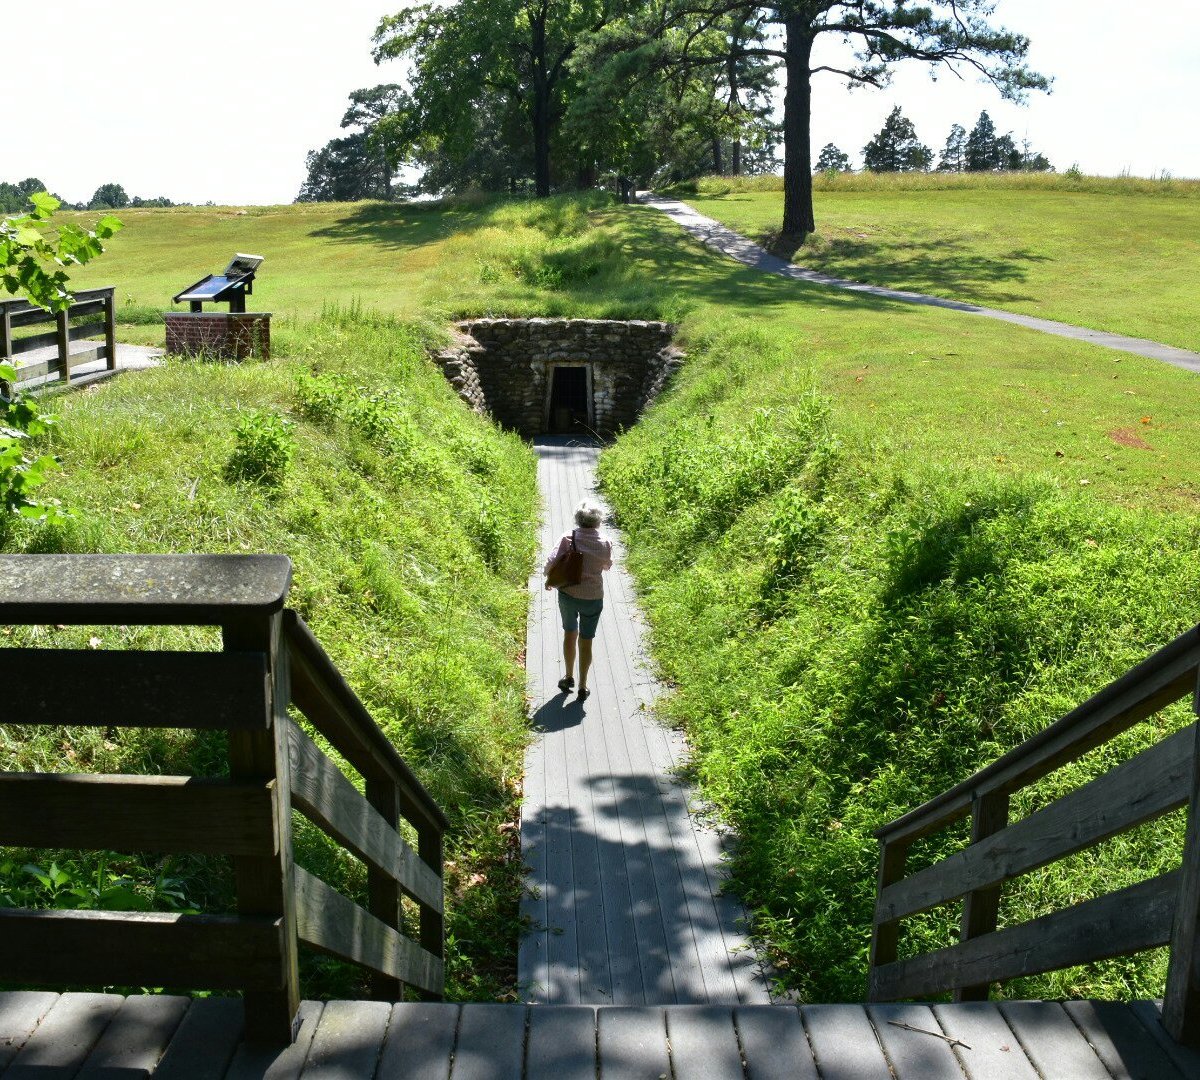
x=45, y=1036
x=624, y=899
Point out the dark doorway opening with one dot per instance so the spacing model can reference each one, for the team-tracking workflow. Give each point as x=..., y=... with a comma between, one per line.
x=568, y=400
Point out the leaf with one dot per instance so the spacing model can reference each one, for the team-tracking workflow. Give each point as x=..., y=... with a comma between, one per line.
x=44, y=204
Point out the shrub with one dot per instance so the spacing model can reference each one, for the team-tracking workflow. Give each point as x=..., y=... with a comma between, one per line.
x=263, y=449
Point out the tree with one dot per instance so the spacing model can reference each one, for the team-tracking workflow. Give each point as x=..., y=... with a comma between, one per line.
x=108, y=197
x=517, y=52
x=345, y=170
x=367, y=110
x=954, y=153
x=831, y=159
x=896, y=147
x=983, y=155
x=955, y=34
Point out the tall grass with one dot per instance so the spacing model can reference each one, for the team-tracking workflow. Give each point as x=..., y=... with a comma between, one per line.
x=865, y=180
x=851, y=632
x=409, y=524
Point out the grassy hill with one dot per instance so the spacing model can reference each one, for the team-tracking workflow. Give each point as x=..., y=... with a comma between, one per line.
x=878, y=543
x=1111, y=254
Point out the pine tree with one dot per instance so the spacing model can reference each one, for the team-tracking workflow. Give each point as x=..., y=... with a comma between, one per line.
x=831, y=159
x=954, y=153
x=896, y=148
x=982, y=153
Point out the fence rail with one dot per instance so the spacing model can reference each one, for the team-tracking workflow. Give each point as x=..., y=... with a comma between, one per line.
x=1161, y=911
x=15, y=315
x=270, y=662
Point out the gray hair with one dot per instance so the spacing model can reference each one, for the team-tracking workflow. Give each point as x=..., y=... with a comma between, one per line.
x=588, y=515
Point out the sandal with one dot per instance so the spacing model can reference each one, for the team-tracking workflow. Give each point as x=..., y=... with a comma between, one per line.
x=566, y=683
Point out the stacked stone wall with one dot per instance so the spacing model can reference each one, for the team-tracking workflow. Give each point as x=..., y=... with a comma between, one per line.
x=503, y=366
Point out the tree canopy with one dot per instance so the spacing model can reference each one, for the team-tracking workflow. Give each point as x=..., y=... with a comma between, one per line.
x=896, y=147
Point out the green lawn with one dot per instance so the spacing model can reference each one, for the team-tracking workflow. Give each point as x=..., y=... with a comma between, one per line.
x=844, y=508
x=1119, y=258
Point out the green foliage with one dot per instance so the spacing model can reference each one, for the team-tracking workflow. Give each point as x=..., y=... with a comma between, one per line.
x=896, y=147
x=34, y=255
x=22, y=473
x=107, y=883
x=859, y=629
x=832, y=160
x=263, y=449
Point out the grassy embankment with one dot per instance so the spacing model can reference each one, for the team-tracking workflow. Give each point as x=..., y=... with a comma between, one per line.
x=878, y=543
x=1118, y=254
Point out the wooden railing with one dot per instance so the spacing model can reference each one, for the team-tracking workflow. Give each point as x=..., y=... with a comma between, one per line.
x=88, y=303
x=270, y=660
x=1164, y=910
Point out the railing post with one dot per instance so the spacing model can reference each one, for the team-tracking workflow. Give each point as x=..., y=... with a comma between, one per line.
x=63, y=325
x=433, y=930
x=6, y=338
x=1181, y=1002
x=885, y=936
x=383, y=893
x=989, y=814
x=265, y=885
x=110, y=331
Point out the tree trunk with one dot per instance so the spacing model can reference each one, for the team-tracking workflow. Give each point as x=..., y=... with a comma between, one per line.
x=736, y=163
x=541, y=141
x=716, y=156
x=798, y=220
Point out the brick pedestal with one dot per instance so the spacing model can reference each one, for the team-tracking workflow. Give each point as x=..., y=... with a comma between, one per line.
x=222, y=335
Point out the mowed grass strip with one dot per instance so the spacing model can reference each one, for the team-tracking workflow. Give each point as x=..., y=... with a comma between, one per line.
x=1118, y=255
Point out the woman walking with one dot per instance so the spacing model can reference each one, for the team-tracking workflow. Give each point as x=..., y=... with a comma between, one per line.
x=580, y=605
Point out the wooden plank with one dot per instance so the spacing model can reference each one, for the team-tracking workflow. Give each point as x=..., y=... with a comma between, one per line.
x=774, y=1043
x=1121, y=1040
x=324, y=795
x=64, y=344
x=992, y=1051
x=252, y=1062
x=1132, y=919
x=265, y=885
x=915, y=1054
x=491, y=1042
x=632, y=1043
x=704, y=1043
x=37, y=341
x=562, y=1043
x=133, y=1043
x=348, y=1040
x=1153, y=783
x=1051, y=1041
x=1156, y=682
x=201, y=690
x=140, y=590
x=420, y=1041
x=844, y=1043
x=65, y=1037
x=134, y=948
x=136, y=813
x=885, y=933
x=328, y=921
x=110, y=332
x=20, y=1013
x=205, y=1041
x=331, y=706
x=1185, y=1059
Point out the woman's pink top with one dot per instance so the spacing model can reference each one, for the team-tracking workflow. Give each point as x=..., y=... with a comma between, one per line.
x=597, y=557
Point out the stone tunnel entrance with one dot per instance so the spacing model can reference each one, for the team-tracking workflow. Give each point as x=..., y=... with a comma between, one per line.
x=561, y=376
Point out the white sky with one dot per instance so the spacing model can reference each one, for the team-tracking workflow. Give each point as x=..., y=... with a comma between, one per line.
x=222, y=102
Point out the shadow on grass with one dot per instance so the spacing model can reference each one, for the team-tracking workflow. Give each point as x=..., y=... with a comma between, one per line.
x=399, y=226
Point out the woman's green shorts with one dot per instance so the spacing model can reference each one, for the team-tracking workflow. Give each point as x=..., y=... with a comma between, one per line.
x=581, y=615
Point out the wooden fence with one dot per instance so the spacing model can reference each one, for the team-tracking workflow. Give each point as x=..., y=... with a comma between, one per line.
x=1164, y=910
x=89, y=303
x=270, y=660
